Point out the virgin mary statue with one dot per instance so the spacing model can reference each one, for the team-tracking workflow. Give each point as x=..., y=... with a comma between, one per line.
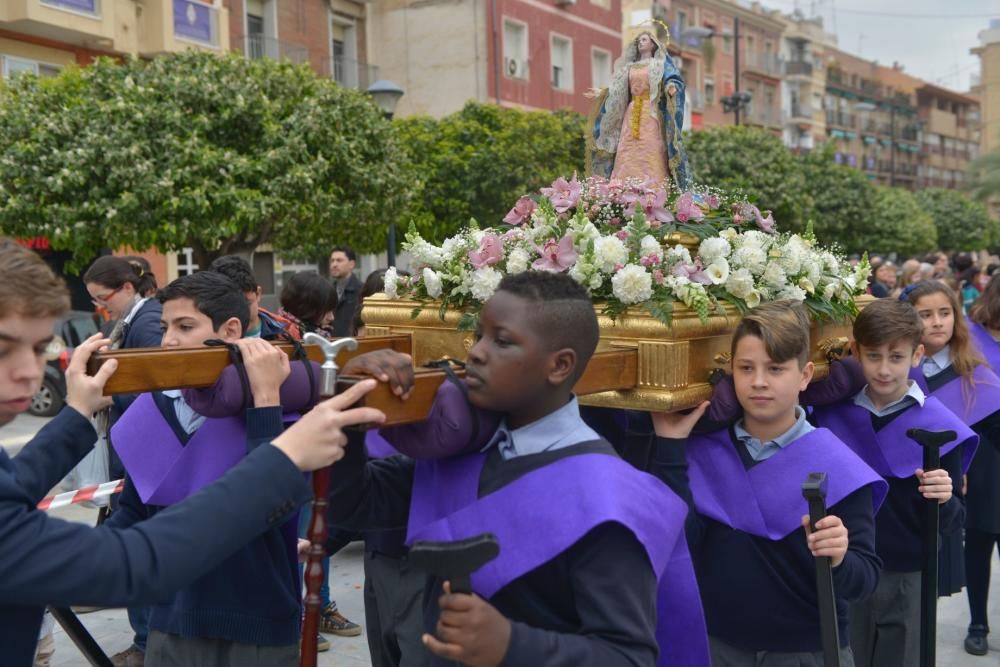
x=637, y=121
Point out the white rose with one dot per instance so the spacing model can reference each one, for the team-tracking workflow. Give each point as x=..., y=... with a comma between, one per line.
x=432, y=283
x=650, y=246
x=753, y=299
x=774, y=276
x=391, y=279
x=485, y=282
x=633, y=284
x=518, y=260
x=609, y=251
x=713, y=248
x=740, y=283
x=718, y=271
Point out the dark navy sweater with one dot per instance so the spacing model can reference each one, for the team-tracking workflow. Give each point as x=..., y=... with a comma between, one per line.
x=251, y=598
x=49, y=561
x=760, y=594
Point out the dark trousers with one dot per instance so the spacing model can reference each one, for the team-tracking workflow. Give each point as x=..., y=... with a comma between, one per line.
x=393, y=612
x=166, y=650
x=978, y=554
x=727, y=655
x=885, y=628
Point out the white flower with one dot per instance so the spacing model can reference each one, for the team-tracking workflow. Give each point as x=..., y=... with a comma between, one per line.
x=650, y=246
x=829, y=291
x=792, y=292
x=609, y=251
x=790, y=258
x=807, y=285
x=452, y=246
x=830, y=262
x=718, y=271
x=755, y=238
x=678, y=255
x=485, y=282
x=774, y=276
x=596, y=281
x=813, y=268
x=391, y=283
x=729, y=234
x=517, y=261
x=425, y=253
x=740, y=283
x=750, y=257
x=753, y=299
x=432, y=283
x=713, y=248
x=633, y=284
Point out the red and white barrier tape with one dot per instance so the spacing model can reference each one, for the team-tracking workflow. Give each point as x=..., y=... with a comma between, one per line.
x=82, y=495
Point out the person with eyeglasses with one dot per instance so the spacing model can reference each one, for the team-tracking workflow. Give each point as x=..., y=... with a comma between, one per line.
x=122, y=288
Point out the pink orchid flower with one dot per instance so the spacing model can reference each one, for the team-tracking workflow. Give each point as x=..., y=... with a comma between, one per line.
x=687, y=209
x=653, y=204
x=712, y=201
x=521, y=212
x=490, y=251
x=556, y=256
x=563, y=194
x=765, y=223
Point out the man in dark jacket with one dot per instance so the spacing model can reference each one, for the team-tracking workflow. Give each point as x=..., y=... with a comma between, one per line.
x=342, y=262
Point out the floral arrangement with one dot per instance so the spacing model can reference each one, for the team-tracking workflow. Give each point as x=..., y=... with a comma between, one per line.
x=615, y=239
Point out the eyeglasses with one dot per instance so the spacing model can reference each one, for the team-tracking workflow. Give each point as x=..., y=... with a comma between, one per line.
x=102, y=299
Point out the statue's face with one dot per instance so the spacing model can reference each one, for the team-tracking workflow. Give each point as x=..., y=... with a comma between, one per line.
x=645, y=44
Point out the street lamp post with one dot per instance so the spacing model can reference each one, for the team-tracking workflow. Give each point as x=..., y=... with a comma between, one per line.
x=739, y=100
x=386, y=95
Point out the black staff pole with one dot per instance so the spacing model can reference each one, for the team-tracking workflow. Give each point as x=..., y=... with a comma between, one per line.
x=814, y=491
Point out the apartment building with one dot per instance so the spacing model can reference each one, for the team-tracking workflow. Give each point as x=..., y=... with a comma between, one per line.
x=987, y=85
x=532, y=54
x=949, y=134
x=804, y=52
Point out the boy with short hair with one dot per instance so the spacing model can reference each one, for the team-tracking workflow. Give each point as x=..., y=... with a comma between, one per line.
x=885, y=628
x=247, y=611
x=584, y=537
x=263, y=323
x=753, y=551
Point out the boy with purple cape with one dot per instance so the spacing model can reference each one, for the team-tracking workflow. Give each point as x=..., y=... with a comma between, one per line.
x=748, y=526
x=593, y=566
x=885, y=628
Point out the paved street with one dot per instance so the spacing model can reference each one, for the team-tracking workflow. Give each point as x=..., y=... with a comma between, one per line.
x=112, y=632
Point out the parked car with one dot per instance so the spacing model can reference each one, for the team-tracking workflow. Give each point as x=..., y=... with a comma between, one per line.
x=71, y=330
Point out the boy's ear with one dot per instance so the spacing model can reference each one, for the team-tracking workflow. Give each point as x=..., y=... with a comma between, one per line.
x=562, y=365
x=918, y=355
x=231, y=330
x=855, y=349
x=807, y=375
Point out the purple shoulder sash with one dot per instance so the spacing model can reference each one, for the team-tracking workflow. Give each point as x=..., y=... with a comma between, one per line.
x=971, y=405
x=578, y=492
x=766, y=500
x=889, y=451
x=988, y=346
x=164, y=470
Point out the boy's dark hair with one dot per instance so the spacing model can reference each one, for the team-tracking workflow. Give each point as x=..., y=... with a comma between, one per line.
x=236, y=269
x=564, y=316
x=214, y=295
x=309, y=297
x=887, y=321
x=113, y=272
x=783, y=326
x=347, y=250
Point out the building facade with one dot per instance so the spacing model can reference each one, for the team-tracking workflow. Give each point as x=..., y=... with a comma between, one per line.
x=532, y=54
x=987, y=90
x=949, y=135
x=804, y=51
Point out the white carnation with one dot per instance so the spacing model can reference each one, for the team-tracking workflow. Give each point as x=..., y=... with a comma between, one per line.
x=750, y=257
x=713, y=248
x=740, y=283
x=813, y=268
x=432, y=283
x=755, y=238
x=485, y=282
x=718, y=271
x=774, y=276
x=650, y=246
x=633, y=284
x=517, y=261
x=452, y=246
x=609, y=251
x=391, y=279
x=830, y=262
x=793, y=292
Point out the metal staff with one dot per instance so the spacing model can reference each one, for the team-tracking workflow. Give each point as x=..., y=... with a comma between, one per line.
x=931, y=441
x=814, y=491
x=321, y=490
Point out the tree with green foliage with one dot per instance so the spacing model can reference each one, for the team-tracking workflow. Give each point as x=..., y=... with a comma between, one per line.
x=755, y=162
x=220, y=154
x=477, y=162
x=842, y=197
x=898, y=223
x=962, y=224
x=983, y=181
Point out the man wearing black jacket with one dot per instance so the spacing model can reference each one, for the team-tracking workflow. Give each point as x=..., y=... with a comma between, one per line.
x=342, y=262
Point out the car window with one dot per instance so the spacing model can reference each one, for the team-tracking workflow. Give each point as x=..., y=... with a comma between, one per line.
x=79, y=329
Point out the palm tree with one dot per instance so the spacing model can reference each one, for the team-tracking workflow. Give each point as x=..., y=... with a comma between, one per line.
x=983, y=181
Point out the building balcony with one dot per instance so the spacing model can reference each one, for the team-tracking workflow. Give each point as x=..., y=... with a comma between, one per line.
x=352, y=73
x=258, y=46
x=766, y=64
x=763, y=116
x=798, y=68
x=180, y=25
x=105, y=25
x=800, y=113
x=841, y=119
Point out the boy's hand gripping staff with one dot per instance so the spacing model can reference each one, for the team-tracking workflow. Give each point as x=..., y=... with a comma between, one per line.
x=321, y=490
x=931, y=441
x=814, y=491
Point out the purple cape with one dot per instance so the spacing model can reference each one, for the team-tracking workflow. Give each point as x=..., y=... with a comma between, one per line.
x=988, y=346
x=225, y=398
x=164, y=470
x=766, y=500
x=890, y=452
x=545, y=512
x=378, y=447
x=971, y=405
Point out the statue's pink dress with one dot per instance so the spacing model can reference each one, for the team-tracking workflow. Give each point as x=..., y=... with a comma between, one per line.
x=641, y=153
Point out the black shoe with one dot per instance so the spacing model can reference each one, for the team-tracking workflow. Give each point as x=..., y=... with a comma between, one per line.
x=975, y=641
